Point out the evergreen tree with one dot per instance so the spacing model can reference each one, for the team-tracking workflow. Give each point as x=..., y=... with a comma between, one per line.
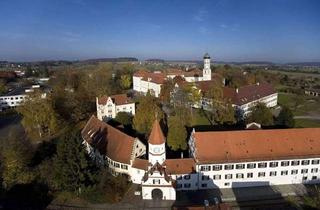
x=177, y=134
x=147, y=111
x=285, y=118
x=261, y=114
x=73, y=169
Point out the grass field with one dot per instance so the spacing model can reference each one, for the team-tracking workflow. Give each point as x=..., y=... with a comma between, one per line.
x=296, y=74
x=300, y=105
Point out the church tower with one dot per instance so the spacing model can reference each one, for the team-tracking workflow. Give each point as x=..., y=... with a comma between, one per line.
x=206, y=67
x=157, y=144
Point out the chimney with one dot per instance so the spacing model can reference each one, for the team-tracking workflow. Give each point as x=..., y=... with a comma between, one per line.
x=237, y=90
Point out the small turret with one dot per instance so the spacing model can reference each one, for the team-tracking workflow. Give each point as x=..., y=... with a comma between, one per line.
x=206, y=67
x=157, y=144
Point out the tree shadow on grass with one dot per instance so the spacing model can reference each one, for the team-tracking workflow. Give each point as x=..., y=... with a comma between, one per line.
x=33, y=196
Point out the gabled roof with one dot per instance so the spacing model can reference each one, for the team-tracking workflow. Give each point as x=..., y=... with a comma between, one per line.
x=140, y=73
x=256, y=145
x=156, y=135
x=180, y=166
x=140, y=164
x=119, y=99
x=108, y=140
x=159, y=168
x=249, y=93
x=158, y=78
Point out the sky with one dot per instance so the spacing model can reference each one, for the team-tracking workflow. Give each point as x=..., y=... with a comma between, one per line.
x=229, y=30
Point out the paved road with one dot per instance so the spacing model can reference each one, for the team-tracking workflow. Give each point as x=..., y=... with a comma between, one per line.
x=311, y=117
x=271, y=197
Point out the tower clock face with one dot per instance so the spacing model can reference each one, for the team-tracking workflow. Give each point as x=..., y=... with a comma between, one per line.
x=156, y=150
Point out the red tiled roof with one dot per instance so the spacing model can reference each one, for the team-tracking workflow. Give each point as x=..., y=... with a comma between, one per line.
x=108, y=140
x=156, y=135
x=158, y=78
x=180, y=166
x=140, y=164
x=7, y=74
x=248, y=93
x=119, y=99
x=140, y=73
x=256, y=145
x=193, y=73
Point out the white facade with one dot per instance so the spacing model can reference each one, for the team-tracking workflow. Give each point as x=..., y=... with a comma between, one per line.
x=157, y=183
x=206, y=69
x=157, y=153
x=16, y=97
x=143, y=85
x=258, y=173
x=270, y=101
x=111, y=109
x=11, y=101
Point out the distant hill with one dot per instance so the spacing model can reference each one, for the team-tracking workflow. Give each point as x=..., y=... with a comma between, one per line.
x=155, y=60
x=121, y=59
x=304, y=64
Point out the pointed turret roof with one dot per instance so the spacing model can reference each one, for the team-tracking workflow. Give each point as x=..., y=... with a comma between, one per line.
x=156, y=135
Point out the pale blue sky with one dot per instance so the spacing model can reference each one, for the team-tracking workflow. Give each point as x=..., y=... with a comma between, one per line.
x=230, y=30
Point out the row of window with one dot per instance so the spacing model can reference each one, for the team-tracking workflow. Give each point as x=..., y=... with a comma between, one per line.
x=117, y=165
x=259, y=165
x=260, y=174
x=12, y=98
x=203, y=185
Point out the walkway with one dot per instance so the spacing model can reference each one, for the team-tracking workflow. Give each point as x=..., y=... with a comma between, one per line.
x=311, y=117
x=236, y=197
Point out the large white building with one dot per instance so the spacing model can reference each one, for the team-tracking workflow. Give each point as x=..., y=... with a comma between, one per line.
x=246, y=97
x=17, y=96
x=109, y=106
x=144, y=81
x=219, y=159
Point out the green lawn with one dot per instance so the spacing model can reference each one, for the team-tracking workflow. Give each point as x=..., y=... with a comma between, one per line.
x=300, y=104
x=307, y=123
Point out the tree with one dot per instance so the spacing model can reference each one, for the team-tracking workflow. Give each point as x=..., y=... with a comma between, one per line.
x=125, y=81
x=166, y=90
x=15, y=157
x=124, y=118
x=147, y=111
x=39, y=118
x=3, y=87
x=73, y=169
x=261, y=114
x=177, y=134
x=222, y=111
x=224, y=114
x=180, y=98
x=215, y=92
x=194, y=94
x=285, y=118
